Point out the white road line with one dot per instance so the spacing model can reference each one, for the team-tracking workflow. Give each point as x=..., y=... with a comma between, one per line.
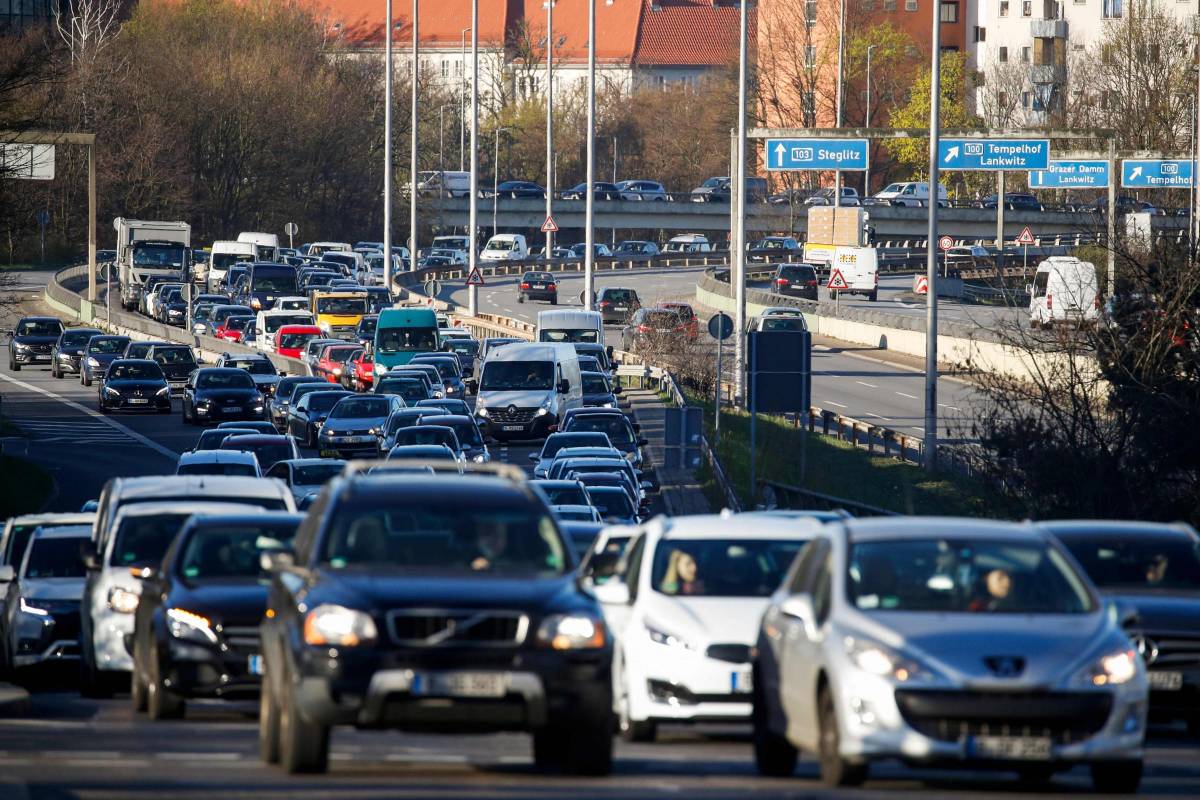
x=153, y=445
x=869, y=414
x=952, y=408
x=909, y=396
x=831, y=403
x=917, y=428
x=198, y=756
x=868, y=385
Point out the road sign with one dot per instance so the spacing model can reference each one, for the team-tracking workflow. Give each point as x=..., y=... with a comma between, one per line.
x=433, y=287
x=794, y=154
x=549, y=226
x=291, y=229
x=1026, y=237
x=994, y=154
x=27, y=161
x=475, y=278
x=837, y=281
x=720, y=326
x=945, y=242
x=921, y=284
x=1071, y=174
x=1156, y=173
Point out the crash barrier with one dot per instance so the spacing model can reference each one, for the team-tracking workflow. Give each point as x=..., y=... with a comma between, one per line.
x=784, y=495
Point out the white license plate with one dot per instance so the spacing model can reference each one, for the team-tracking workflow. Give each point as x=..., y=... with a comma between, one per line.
x=741, y=681
x=620, y=308
x=460, y=684
x=1020, y=748
x=231, y=409
x=539, y=286
x=254, y=665
x=1165, y=681
x=138, y=400
x=329, y=453
x=512, y=427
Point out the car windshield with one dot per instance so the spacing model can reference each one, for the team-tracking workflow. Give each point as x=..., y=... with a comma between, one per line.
x=223, y=261
x=517, y=375
x=595, y=384
x=406, y=340
x=566, y=494
x=238, y=323
x=213, y=468
x=617, y=295
x=367, y=327
x=660, y=319
x=231, y=551
x=315, y=474
x=616, y=427
x=144, y=539
x=295, y=340
x=342, y=305
x=1139, y=562
x=340, y=355
x=274, y=322
x=33, y=327
x=356, y=407
x=467, y=347
x=574, y=514
x=282, y=282
x=722, y=567
x=588, y=335
x=135, y=372
x=501, y=244
x=58, y=557
x=174, y=355
x=269, y=453
x=770, y=244
x=324, y=401
x=446, y=369
x=76, y=338
x=157, y=255
x=426, y=434
x=466, y=431
x=557, y=441
x=782, y=324
x=964, y=575
x=408, y=388
x=224, y=380
x=470, y=538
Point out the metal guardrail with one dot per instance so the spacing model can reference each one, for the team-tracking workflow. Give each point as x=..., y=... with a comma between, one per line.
x=784, y=495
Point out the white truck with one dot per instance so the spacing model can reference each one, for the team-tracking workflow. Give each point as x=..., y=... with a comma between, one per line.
x=855, y=270
x=150, y=247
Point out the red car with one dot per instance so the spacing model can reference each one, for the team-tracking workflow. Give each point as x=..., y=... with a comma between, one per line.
x=359, y=372
x=333, y=361
x=688, y=325
x=291, y=339
x=235, y=329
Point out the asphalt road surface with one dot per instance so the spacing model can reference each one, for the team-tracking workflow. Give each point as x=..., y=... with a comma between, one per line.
x=74, y=748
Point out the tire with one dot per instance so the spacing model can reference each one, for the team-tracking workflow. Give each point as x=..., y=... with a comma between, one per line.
x=137, y=684
x=633, y=730
x=773, y=754
x=188, y=419
x=268, y=725
x=554, y=300
x=54, y=373
x=85, y=379
x=873, y=296
x=14, y=366
x=161, y=703
x=303, y=745
x=92, y=684
x=1117, y=777
x=520, y=298
x=835, y=770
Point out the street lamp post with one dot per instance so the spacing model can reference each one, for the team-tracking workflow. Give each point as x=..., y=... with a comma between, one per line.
x=739, y=232
x=549, y=123
x=496, y=180
x=412, y=166
x=931, y=253
x=837, y=175
x=473, y=224
x=589, y=222
x=867, y=123
x=387, y=152
x=462, y=98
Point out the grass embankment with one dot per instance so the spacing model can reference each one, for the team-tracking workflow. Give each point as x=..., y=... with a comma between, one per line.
x=24, y=486
x=839, y=469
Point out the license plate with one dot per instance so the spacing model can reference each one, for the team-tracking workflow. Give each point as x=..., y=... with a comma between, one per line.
x=620, y=308
x=539, y=286
x=1020, y=748
x=230, y=409
x=741, y=681
x=254, y=665
x=460, y=684
x=138, y=400
x=512, y=427
x=1165, y=681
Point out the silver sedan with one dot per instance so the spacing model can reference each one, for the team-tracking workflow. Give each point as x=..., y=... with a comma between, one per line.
x=946, y=642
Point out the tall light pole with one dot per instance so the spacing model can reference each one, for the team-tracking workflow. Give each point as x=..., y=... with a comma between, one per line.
x=837, y=175
x=867, y=124
x=473, y=252
x=549, y=123
x=462, y=99
x=387, y=152
x=412, y=166
x=931, y=368
x=496, y=179
x=739, y=235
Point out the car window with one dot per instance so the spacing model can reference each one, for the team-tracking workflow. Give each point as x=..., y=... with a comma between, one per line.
x=566, y=494
x=76, y=338
x=231, y=551
x=212, y=468
x=721, y=567
x=234, y=379
x=350, y=408
x=107, y=345
x=1139, y=562
x=617, y=428
x=314, y=474
x=32, y=327
x=174, y=355
x=143, y=372
x=59, y=557
x=144, y=539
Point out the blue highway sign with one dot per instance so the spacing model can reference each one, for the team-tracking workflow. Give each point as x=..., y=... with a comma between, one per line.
x=1156, y=173
x=798, y=154
x=993, y=154
x=1071, y=174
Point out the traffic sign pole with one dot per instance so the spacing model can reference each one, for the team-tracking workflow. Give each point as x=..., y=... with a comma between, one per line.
x=935, y=131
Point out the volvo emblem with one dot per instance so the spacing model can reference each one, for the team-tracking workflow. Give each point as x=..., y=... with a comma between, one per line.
x=1147, y=648
x=1005, y=666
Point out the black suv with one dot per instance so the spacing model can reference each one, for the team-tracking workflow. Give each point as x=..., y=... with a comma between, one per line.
x=796, y=280
x=434, y=603
x=617, y=304
x=537, y=286
x=32, y=341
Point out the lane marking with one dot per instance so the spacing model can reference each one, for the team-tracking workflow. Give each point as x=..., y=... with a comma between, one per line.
x=198, y=756
x=868, y=385
x=909, y=396
x=952, y=408
x=831, y=403
x=153, y=445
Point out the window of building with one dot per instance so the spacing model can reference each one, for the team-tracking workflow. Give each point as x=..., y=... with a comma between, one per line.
x=1026, y=8
x=910, y=5
x=810, y=56
x=1080, y=2
x=445, y=64
x=1025, y=55
x=1113, y=9
x=980, y=34
x=949, y=12
x=1004, y=8
x=889, y=5
x=1026, y=100
x=810, y=12
x=1077, y=47
x=1002, y=54
x=868, y=5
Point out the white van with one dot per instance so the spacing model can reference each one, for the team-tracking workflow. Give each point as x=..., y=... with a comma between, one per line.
x=688, y=243
x=859, y=268
x=226, y=254
x=911, y=193
x=1064, y=289
x=266, y=244
x=570, y=326
x=505, y=247
x=444, y=184
x=270, y=321
x=460, y=244
x=526, y=389
x=321, y=248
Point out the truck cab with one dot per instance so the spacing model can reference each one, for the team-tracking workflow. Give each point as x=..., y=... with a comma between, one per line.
x=148, y=248
x=337, y=314
x=400, y=334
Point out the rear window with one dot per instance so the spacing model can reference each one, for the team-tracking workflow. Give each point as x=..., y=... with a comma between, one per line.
x=245, y=470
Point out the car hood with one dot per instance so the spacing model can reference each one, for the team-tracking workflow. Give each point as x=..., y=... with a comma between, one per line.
x=960, y=646
x=384, y=589
x=521, y=398
x=229, y=602
x=52, y=588
x=1161, y=611
x=704, y=620
x=354, y=423
x=227, y=392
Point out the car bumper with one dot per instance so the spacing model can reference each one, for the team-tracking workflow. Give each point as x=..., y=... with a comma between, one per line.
x=130, y=404
x=669, y=683
x=25, y=357
x=219, y=413
x=108, y=640
x=69, y=364
x=539, y=294
x=342, y=447
x=537, y=428
x=196, y=670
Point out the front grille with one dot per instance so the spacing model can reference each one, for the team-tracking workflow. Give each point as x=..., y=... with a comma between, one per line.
x=242, y=639
x=343, y=331
x=457, y=628
x=66, y=624
x=733, y=653
x=1065, y=717
x=511, y=415
x=1170, y=651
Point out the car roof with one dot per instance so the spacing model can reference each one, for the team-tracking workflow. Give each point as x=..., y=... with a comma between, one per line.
x=153, y=508
x=445, y=419
x=310, y=462
x=225, y=518
x=386, y=486
x=1116, y=529
x=69, y=518
x=257, y=438
x=888, y=528
x=64, y=532
x=218, y=456
x=714, y=526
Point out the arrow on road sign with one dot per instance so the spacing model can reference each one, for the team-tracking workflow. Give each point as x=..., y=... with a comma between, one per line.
x=1135, y=173
x=779, y=151
x=952, y=153
x=837, y=281
x=549, y=226
x=1026, y=237
x=475, y=278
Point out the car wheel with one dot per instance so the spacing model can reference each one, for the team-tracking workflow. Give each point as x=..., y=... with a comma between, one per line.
x=188, y=419
x=54, y=373
x=303, y=745
x=14, y=366
x=583, y=747
x=137, y=684
x=268, y=725
x=873, y=296
x=835, y=770
x=1117, y=777
x=554, y=300
x=85, y=379
x=92, y=683
x=161, y=702
x=520, y=298
x=773, y=754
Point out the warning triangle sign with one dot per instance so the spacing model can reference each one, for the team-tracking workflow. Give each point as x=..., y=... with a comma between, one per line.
x=837, y=281
x=1026, y=236
x=475, y=279
x=549, y=226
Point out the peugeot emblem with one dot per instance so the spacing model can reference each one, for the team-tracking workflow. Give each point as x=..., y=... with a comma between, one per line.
x=1147, y=648
x=1005, y=666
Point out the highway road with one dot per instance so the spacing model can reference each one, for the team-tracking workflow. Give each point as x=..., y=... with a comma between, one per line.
x=848, y=380
x=74, y=748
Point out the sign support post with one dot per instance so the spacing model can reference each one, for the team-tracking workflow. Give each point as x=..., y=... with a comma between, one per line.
x=1111, y=217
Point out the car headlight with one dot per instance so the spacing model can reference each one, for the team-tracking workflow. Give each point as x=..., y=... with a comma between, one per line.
x=374, y=431
x=543, y=411
x=258, y=398
x=163, y=390
x=339, y=626
x=481, y=458
x=876, y=659
x=572, y=632
x=663, y=637
x=30, y=608
x=481, y=410
x=188, y=625
x=108, y=390
x=91, y=362
x=325, y=431
x=122, y=600
x=337, y=370
x=256, y=303
x=1113, y=669
x=381, y=369
x=609, y=405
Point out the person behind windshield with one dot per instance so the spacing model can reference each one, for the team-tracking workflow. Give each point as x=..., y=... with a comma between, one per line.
x=682, y=576
x=996, y=594
x=1156, y=570
x=491, y=541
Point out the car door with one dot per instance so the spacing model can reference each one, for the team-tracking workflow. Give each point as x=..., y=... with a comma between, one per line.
x=800, y=650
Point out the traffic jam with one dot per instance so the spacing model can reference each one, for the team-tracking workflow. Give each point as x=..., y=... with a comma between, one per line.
x=345, y=547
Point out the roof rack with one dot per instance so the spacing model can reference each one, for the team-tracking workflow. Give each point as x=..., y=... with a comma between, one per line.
x=438, y=466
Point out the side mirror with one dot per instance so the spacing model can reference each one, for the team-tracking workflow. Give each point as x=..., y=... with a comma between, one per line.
x=616, y=389
x=7, y=573
x=283, y=373
x=637, y=428
x=564, y=386
x=276, y=559
x=612, y=593
x=609, y=352
x=798, y=607
x=535, y=457
x=648, y=486
x=642, y=441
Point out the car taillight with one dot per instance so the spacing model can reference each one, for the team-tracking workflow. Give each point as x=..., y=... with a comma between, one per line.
x=781, y=282
x=524, y=285
x=605, y=304
x=813, y=284
x=551, y=286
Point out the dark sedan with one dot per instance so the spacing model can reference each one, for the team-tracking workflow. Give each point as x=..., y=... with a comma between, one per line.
x=102, y=351
x=172, y=308
x=537, y=286
x=597, y=392
x=261, y=368
x=600, y=190
x=466, y=350
x=796, y=280
x=448, y=369
x=269, y=448
x=277, y=406
x=178, y=362
x=410, y=388
x=32, y=341
x=516, y=189
x=134, y=385
x=355, y=425
x=774, y=249
x=215, y=393
x=195, y=631
x=1013, y=202
x=470, y=440
x=68, y=351
x=309, y=411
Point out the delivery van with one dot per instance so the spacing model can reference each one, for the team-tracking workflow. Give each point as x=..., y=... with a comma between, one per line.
x=1064, y=290
x=859, y=271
